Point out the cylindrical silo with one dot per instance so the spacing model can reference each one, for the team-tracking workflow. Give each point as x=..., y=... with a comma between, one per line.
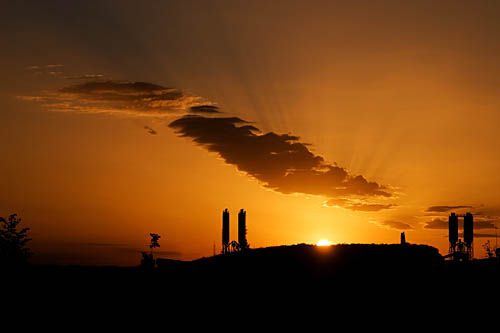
x=468, y=229
x=453, y=229
x=225, y=231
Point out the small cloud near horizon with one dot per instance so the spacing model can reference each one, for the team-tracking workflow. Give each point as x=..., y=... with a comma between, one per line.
x=439, y=223
x=442, y=209
x=394, y=224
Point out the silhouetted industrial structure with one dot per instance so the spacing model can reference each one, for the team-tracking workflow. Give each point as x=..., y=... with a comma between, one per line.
x=225, y=231
x=241, y=244
x=461, y=250
x=403, y=239
x=242, y=229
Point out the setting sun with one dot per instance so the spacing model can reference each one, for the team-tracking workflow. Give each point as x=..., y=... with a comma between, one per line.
x=323, y=242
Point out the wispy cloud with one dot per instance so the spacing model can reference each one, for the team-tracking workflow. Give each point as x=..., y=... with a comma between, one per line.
x=439, y=223
x=119, y=97
x=150, y=130
x=54, y=66
x=358, y=205
x=441, y=209
x=84, y=77
x=398, y=225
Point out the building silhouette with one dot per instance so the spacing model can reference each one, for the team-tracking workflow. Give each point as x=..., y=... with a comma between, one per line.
x=468, y=234
x=461, y=250
x=242, y=229
x=225, y=231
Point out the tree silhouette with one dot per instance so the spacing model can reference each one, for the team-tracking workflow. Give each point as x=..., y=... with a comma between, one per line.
x=154, y=241
x=13, y=248
x=147, y=258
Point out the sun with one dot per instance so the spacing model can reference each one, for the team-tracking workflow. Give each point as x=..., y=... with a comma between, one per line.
x=323, y=242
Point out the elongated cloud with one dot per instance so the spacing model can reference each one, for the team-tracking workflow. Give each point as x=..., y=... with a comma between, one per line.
x=443, y=224
x=441, y=209
x=358, y=205
x=125, y=97
x=280, y=161
x=395, y=225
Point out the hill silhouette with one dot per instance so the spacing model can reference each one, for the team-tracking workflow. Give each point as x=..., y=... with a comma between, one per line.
x=310, y=261
x=350, y=271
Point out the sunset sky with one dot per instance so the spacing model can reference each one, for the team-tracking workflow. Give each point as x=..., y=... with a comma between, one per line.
x=349, y=121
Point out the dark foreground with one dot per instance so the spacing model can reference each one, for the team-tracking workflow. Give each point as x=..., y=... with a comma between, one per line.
x=355, y=272
x=285, y=284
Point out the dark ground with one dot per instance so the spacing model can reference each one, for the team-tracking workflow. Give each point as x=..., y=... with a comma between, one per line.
x=368, y=264
x=361, y=276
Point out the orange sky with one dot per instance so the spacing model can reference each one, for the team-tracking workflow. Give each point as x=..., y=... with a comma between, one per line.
x=404, y=95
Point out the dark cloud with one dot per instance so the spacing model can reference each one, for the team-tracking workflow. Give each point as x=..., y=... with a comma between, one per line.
x=279, y=161
x=125, y=97
x=150, y=130
x=441, y=209
x=395, y=225
x=204, y=109
x=443, y=224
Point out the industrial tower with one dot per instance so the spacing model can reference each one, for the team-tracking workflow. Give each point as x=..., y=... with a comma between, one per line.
x=225, y=231
x=242, y=229
x=461, y=250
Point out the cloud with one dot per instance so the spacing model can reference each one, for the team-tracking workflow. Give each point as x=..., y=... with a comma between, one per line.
x=150, y=130
x=280, y=161
x=358, y=205
x=54, y=66
x=84, y=77
x=119, y=97
x=395, y=225
x=37, y=67
x=438, y=223
x=480, y=235
x=441, y=209
x=204, y=109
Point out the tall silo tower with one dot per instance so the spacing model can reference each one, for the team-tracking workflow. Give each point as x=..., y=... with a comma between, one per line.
x=225, y=231
x=242, y=229
x=453, y=231
x=468, y=233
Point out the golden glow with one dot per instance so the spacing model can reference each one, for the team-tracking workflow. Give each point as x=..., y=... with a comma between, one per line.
x=323, y=242
x=95, y=185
